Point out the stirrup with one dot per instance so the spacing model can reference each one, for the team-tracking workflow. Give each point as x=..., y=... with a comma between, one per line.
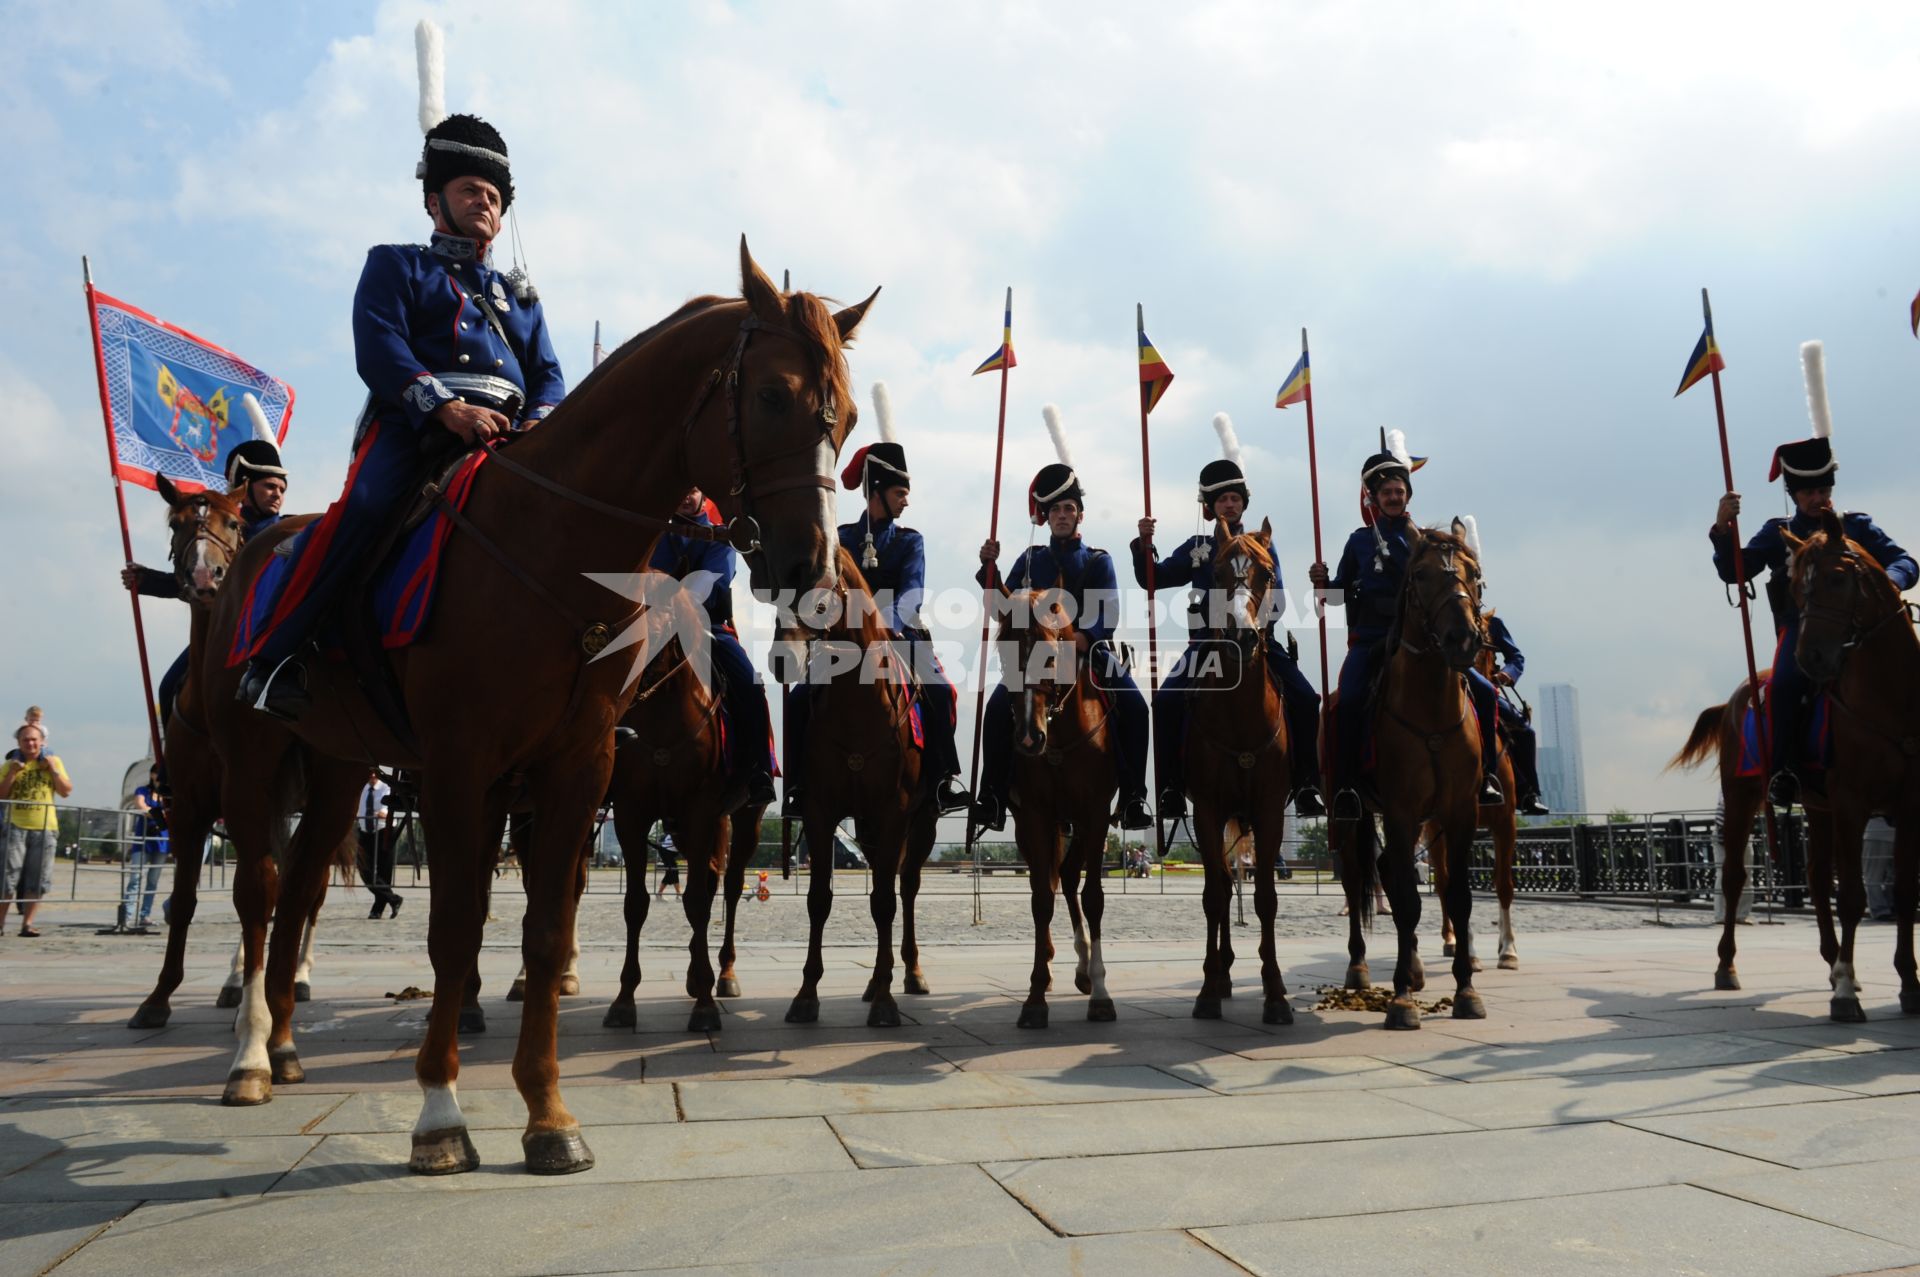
x=1783, y=788
x=280, y=692
x=988, y=813
x=791, y=805
x=1491, y=795
x=1173, y=804
x=1307, y=802
x=950, y=796
x=1134, y=813
x=1347, y=805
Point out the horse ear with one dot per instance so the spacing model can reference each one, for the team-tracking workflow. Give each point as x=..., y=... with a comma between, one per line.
x=763, y=299
x=1459, y=529
x=1831, y=525
x=849, y=319
x=168, y=493
x=1266, y=533
x=1794, y=543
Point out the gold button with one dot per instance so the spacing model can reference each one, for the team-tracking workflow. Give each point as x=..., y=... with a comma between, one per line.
x=498, y=362
x=464, y=358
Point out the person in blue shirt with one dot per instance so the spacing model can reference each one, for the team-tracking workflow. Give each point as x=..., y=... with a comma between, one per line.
x=1372, y=567
x=707, y=569
x=1520, y=734
x=447, y=346
x=1223, y=499
x=893, y=559
x=1808, y=467
x=1055, y=501
x=146, y=854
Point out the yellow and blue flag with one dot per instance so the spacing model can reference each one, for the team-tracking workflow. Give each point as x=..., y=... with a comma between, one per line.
x=1155, y=376
x=174, y=399
x=1298, y=386
x=1913, y=314
x=1704, y=360
x=1003, y=357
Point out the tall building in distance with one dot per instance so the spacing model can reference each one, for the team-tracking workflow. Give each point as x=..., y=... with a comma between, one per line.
x=1563, y=778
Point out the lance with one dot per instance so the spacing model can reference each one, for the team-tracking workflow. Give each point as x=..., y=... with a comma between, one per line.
x=992, y=587
x=120, y=501
x=599, y=351
x=1313, y=487
x=1153, y=628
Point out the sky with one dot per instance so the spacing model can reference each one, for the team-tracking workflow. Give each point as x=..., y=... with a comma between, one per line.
x=1495, y=219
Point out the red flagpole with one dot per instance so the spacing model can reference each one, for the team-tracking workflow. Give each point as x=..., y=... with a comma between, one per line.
x=993, y=580
x=1313, y=480
x=1740, y=590
x=1153, y=628
x=120, y=501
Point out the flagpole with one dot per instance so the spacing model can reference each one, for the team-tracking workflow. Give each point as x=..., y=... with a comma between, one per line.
x=120, y=502
x=1153, y=628
x=1313, y=481
x=986, y=606
x=1740, y=588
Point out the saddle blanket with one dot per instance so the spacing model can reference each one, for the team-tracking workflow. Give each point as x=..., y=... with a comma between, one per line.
x=1753, y=760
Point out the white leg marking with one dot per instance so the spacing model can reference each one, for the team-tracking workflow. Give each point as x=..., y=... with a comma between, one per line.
x=303, y=974
x=1099, y=975
x=1843, y=982
x=573, y=957
x=252, y=1024
x=441, y=1112
x=1508, y=946
x=236, y=974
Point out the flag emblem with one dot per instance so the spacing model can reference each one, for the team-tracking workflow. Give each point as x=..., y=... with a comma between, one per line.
x=1155, y=376
x=1296, y=387
x=1003, y=357
x=1704, y=360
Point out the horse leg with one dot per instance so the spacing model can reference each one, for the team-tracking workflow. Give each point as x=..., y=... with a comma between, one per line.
x=1435, y=842
x=1848, y=829
x=817, y=829
x=741, y=836
x=303, y=967
x=621, y=1012
x=1070, y=891
x=228, y=997
x=1506, y=837
x=1216, y=897
x=1906, y=898
x=257, y=831
x=884, y=1012
x=190, y=829
x=1038, y=846
x=1092, y=847
x=570, y=974
x=1819, y=835
x=1403, y=892
x=326, y=821
x=708, y=830
x=1467, y=1004
x=914, y=980
x=1361, y=870
x=1741, y=803
x=1266, y=903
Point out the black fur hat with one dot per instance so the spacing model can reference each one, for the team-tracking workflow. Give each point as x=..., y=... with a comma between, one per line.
x=1218, y=477
x=253, y=459
x=877, y=467
x=1056, y=482
x=1807, y=463
x=464, y=146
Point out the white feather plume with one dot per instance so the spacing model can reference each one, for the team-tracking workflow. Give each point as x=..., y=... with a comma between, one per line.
x=1813, y=366
x=1397, y=445
x=1470, y=528
x=1059, y=433
x=883, y=409
x=1229, y=441
x=430, y=50
x=261, y=428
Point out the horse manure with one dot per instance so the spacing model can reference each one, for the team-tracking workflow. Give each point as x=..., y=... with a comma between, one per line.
x=410, y=993
x=1373, y=998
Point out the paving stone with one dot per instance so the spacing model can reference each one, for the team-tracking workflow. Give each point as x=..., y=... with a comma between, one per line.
x=1851, y=1130
x=1881, y=1199
x=1235, y=1076
x=292, y=1112
x=1303, y=1181
x=1676, y=1229
x=1603, y=1056
x=604, y=1228
x=1172, y=1254
x=373, y=1112
x=1861, y=1072
x=103, y=1168
x=1604, y=1097
x=1086, y=1130
x=789, y=1097
x=34, y=1236
x=799, y=1060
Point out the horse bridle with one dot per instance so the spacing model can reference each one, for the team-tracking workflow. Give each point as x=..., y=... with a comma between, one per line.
x=1055, y=708
x=1858, y=631
x=202, y=531
x=1426, y=607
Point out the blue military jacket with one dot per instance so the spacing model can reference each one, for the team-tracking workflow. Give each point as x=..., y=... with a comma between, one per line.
x=1372, y=581
x=681, y=556
x=420, y=328
x=1500, y=639
x=1192, y=565
x=1769, y=550
x=899, y=580
x=1085, y=573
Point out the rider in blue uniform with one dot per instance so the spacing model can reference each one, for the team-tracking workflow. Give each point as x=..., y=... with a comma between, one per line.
x=707, y=568
x=1520, y=734
x=447, y=345
x=1223, y=498
x=1054, y=499
x=1808, y=467
x=1372, y=566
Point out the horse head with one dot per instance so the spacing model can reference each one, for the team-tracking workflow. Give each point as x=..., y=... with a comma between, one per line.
x=764, y=448
x=834, y=627
x=1440, y=601
x=1039, y=662
x=206, y=533
x=1243, y=568
x=1843, y=594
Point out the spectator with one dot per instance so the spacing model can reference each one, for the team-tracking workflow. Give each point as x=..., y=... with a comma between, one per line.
x=375, y=830
x=35, y=717
x=31, y=782
x=145, y=856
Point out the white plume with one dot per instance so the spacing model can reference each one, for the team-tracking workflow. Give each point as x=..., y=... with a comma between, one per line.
x=1397, y=445
x=1229, y=441
x=1059, y=433
x=883, y=409
x=261, y=428
x=1470, y=528
x=430, y=49
x=1813, y=365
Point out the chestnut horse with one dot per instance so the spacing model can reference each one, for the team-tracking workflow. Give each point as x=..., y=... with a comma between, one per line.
x=1237, y=770
x=671, y=763
x=1501, y=823
x=504, y=689
x=1065, y=774
x=1426, y=745
x=862, y=762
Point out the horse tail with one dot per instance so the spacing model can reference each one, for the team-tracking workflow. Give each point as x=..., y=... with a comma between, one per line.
x=1360, y=866
x=345, y=858
x=1704, y=743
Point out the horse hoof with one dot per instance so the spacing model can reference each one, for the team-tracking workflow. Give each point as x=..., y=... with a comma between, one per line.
x=447, y=1152
x=517, y=991
x=1473, y=965
x=1417, y=979
x=1910, y=1001
x=1358, y=977
x=804, y=1011
x=1446, y=950
x=1081, y=982
x=866, y=994
x=302, y=991
x=915, y=983
x=228, y=999
x=727, y=987
x=472, y=1020
x=150, y=1015
x=883, y=1014
x=704, y=1019
x=621, y=1015
x=1509, y=962
x=286, y=1066
x=1468, y=1006
x=569, y=986
x=1206, y=1007
x=1846, y=1011
x=247, y=1087
x=1033, y=1015
x=1403, y=1014
x=1726, y=980
x=562, y=1152
x=1277, y=1011
x=1100, y=1011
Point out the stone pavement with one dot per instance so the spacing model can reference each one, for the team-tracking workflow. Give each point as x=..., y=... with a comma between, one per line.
x=1612, y=1114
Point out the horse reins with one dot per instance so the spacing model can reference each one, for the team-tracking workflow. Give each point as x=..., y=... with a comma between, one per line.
x=1858, y=633
x=202, y=531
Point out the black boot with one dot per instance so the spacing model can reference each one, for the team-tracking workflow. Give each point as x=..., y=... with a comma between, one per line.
x=793, y=804
x=280, y=691
x=1308, y=803
x=988, y=813
x=1530, y=805
x=759, y=788
x=1134, y=813
x=1491, y=795
x=950, y=796
x=1173, y=804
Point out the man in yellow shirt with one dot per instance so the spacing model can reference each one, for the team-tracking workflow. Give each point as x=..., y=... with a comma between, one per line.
x=29, y=784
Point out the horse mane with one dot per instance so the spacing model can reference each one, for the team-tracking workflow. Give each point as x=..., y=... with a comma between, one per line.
x=850, y=581
x=1833, y=530
x=692, y=307
x=1249, y=543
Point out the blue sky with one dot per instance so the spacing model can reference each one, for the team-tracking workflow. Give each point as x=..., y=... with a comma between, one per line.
x=1495, y=221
